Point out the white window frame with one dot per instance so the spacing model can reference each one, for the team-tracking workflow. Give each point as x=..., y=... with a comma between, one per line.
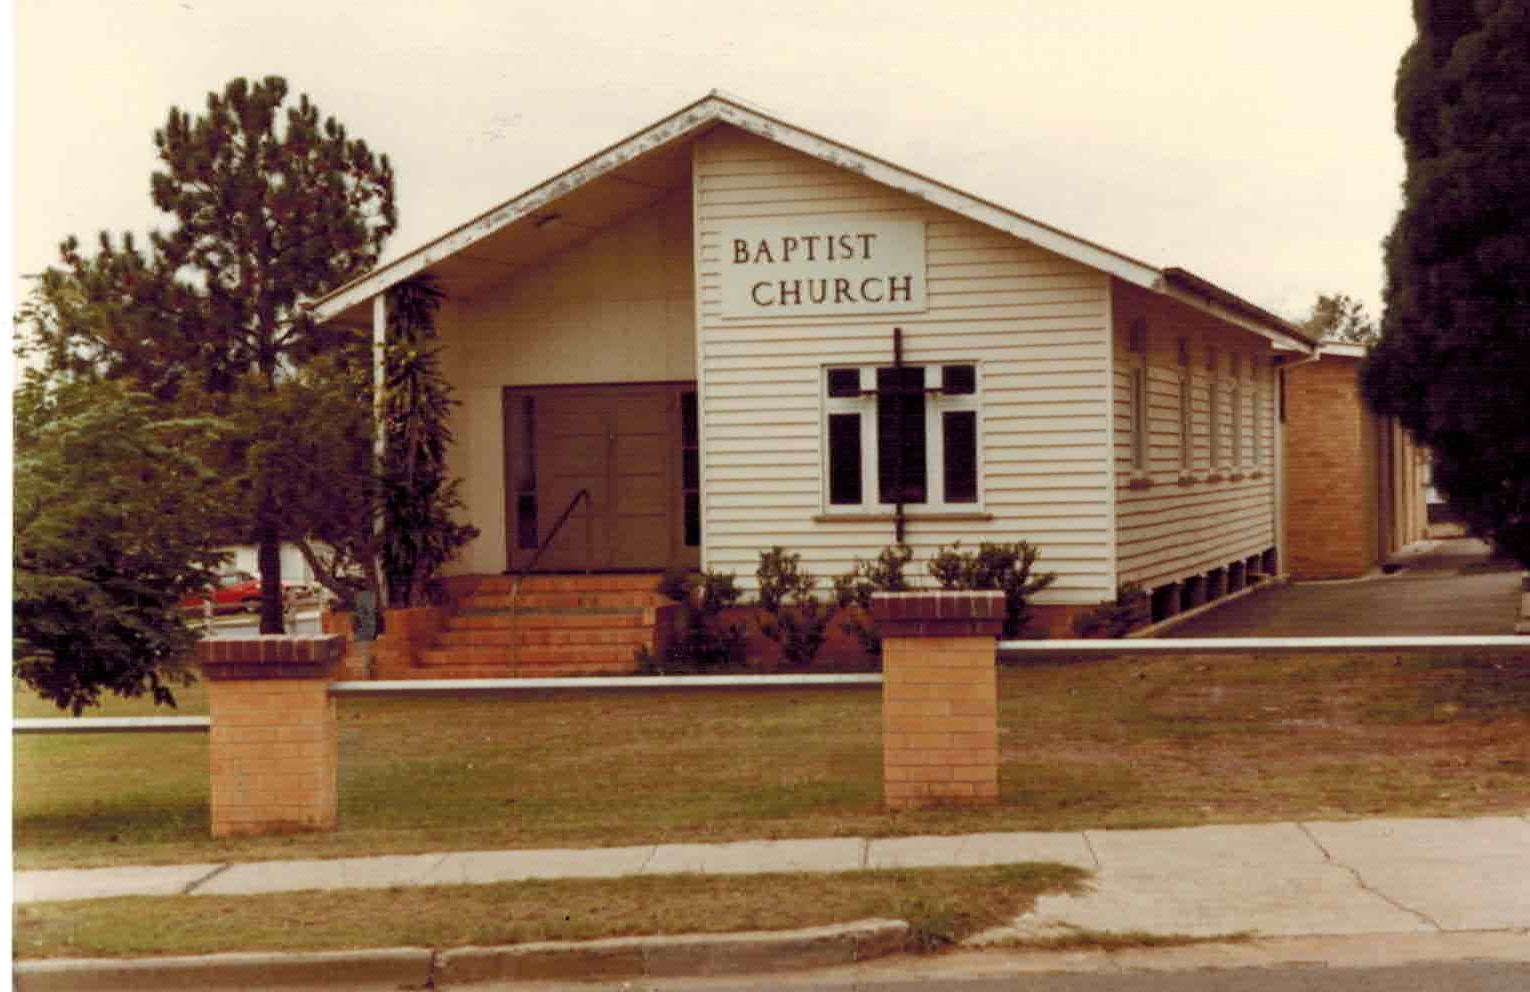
x=1257, y=398
x=1186, y=411
x=936, y=404
x=1235, y=362
x=1216, y=454
x=1141, y=425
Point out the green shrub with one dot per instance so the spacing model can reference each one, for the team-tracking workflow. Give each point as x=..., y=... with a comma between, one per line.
x=1007, y=568
x=699, y=640
x=884, y=573
x=1115, y=618
x=789, y=613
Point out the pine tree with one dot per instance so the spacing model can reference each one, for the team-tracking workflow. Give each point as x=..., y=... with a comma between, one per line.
x=271, y=204
x=1340, y=318
x=1453, y=363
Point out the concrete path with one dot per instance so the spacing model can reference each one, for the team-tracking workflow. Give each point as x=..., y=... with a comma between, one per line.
x=1453, y=586
x=1278, y=879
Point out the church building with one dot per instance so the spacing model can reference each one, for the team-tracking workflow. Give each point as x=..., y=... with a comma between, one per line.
x=735, y=333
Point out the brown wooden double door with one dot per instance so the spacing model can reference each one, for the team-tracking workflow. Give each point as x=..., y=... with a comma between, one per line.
x=633, y=447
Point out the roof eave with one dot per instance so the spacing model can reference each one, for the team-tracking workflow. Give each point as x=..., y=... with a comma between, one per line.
x=674, y=127
x=715, y=108
x=1189, y=288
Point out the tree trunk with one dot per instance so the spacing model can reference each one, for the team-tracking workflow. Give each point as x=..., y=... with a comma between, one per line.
x=268, y=534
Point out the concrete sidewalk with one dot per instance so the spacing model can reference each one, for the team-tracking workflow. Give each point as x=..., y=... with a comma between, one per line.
x=1367, y=890
x=1277, y=879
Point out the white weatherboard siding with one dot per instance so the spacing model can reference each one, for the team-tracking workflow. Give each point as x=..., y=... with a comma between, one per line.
x=1174, y=523
x=616, y=307
x=1035, y=322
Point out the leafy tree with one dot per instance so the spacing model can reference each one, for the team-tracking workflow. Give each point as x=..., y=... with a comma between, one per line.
x=1453, y=364
x=315, y=433
x=111, y=500
x=1341, y=318
x=271, y=205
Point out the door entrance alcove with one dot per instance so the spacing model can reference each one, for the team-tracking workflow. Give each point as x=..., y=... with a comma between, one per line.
x=633, y=446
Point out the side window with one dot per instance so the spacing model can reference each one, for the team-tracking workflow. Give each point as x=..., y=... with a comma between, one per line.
x=1186, y=409
x=1137, y=344
x=1256, y=399
x=1214, y=413
x=1236, y=368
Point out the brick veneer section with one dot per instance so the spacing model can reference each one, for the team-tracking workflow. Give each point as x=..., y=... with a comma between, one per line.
x=273, y=753
x=407, y=633
x=1330, y=529
x=940, y=732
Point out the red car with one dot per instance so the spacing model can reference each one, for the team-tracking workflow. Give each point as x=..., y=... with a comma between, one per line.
x=241, y=591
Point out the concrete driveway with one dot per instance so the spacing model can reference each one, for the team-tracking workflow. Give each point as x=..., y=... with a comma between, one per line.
x=1452, y=586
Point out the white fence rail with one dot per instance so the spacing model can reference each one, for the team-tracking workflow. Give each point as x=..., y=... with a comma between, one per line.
x=436, y=687
x=112, y=725
x=1513, y=647
x=1147, y=647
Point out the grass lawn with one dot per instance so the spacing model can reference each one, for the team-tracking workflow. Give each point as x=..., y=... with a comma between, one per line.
x=1104, y=744
x=941, y=905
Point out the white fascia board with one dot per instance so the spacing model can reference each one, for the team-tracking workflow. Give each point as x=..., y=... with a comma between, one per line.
x=1231, y=316
x=677, y=125
x=941, y=195
x=1343, y=350
x=694, y=117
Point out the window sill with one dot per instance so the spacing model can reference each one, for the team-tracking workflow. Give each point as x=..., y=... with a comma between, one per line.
x=1234, y=476
x=1140, y=481
x=859, y=517
x=1190, y=478
x=1215, y=476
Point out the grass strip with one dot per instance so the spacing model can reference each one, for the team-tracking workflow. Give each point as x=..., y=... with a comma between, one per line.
x=1108, y=744
x=942, y=905
x=1071, y=938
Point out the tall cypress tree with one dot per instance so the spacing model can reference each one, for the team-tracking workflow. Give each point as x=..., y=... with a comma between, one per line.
x=1453, y=364
x=271, y=205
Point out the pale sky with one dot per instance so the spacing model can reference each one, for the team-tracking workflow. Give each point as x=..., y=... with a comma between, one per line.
x=1249, y=142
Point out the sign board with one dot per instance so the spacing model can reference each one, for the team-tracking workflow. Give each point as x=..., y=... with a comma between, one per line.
x=822, y=266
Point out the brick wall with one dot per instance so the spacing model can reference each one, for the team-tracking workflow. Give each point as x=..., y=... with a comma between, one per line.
x=1330, y=484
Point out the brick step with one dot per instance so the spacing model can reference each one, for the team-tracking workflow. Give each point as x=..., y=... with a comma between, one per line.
x=645, y=582
x=562, y=600
x=531, y=654
x=549, y=670
x=506, y=636
x=618, y=618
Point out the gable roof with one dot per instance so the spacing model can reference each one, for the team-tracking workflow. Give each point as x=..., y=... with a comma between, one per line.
x=631, y=173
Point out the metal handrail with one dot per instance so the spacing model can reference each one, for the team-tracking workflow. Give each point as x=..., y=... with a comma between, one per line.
x=583, y=494
x=515, y=590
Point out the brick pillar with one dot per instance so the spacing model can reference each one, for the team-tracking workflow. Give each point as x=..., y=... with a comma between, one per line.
x=356, y=662
x=273, y=738
x=406, y=633
x=940, y=698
